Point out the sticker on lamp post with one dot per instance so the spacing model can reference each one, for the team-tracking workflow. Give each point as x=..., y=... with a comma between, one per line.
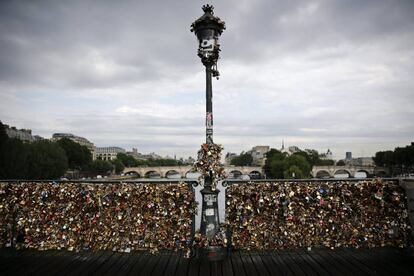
x=210, y=199
x=209, y=120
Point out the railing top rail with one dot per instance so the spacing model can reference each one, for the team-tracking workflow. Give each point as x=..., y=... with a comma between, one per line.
x=234, y=181
x=103, y=181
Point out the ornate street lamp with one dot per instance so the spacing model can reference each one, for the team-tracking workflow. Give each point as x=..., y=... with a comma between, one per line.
x=208, y=29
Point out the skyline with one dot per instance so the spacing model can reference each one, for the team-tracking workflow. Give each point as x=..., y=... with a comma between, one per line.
x=319, y=74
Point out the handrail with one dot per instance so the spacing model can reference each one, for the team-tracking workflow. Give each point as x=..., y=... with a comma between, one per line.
x=104, y=181
x=253, y=181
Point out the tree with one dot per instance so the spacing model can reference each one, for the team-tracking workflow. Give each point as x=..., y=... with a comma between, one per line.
x=100, y=167
x=340, y=163
x=399, y=161
x=3, y=134
x=244, y=159
x=13, y=159
x=280, y=165
x=299, y=162
x=274, y=165
x=294, y=172
x=127, y=160
x=119, y=166
x=78, y=156
x=46, y=160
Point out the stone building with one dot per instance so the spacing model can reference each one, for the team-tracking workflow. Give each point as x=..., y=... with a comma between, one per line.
x=107, y=153
x=77, y=139
x=24, y=135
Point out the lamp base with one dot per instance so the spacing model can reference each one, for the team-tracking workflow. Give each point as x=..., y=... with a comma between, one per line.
x=213, y=253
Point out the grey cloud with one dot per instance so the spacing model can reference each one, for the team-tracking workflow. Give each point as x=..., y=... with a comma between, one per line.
x=278, y=59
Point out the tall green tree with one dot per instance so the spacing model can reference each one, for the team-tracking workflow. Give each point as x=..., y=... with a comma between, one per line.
x=275, y=164
x=14, y=159
x=280, y=165
x=46, y=160
x=293, y=172
x=3, y=134
x=127, y=160
x=119, y=166
x=244, y=159
x=398, y=161
x=101, y=167
x=299, y=162
x=78, y=156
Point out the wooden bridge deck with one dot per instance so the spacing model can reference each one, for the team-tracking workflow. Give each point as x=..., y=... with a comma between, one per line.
x=385, y=261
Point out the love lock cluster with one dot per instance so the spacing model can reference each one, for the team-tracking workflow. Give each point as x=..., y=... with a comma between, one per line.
x=285, y=215
x=209, y=163
x=82, y=216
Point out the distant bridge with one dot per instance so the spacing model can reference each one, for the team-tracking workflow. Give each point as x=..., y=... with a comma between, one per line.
x=165, y=172
x=331, y=171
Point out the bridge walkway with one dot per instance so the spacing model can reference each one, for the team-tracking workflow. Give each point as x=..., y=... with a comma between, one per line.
x=383, y=261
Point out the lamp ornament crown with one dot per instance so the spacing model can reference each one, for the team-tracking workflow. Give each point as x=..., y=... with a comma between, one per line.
x=208, y=8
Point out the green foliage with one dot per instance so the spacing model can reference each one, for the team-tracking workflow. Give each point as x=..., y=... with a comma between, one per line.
x=46, y=160
x=293, y=172
x=127, y=160
x=340, y=163
x=399, y=161
x=119, y=166
x=38, y=160
x=300, y=163
x=101, y=167
x=279, y=165
x=78, y=156
x=13, y=159
x=244, y=159
x=3, y=134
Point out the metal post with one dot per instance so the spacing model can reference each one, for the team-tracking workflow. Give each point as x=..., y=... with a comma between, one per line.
x=210, y=221
x=209, y=106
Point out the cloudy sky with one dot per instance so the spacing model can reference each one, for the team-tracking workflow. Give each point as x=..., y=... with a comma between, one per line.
x=318, y=74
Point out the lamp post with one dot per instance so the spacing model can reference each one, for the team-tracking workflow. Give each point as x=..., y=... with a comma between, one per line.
x=208, y=29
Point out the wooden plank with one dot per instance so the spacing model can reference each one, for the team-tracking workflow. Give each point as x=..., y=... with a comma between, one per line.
x=113, y=270
x=363, y=260
x=62, y=259
x=271, y=267
x=36, y=263
x=83, y=261
x=398, y=260
x=105, y=266
x=381, y=266
x=162, y=264
x=314, y=267
x=287, y=261
x=16, y=258
x=332, y=263
x=353, y=266
x=248, y=265
x=204, y=267
x=357, y=259
x=226, y=267
x=259, y=264
x=281, y=264
x=325, y=267
x=172, y=264
x=300, y=260
x=149, y=266
x=183, y=265
x=193, y=267
x=140, y=263
x=216, y=268
x=131, y=261
x=20, y=261
x=237, y=264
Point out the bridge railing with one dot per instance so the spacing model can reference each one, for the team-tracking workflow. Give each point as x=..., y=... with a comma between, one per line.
x=307, y=213
x=97, y=215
